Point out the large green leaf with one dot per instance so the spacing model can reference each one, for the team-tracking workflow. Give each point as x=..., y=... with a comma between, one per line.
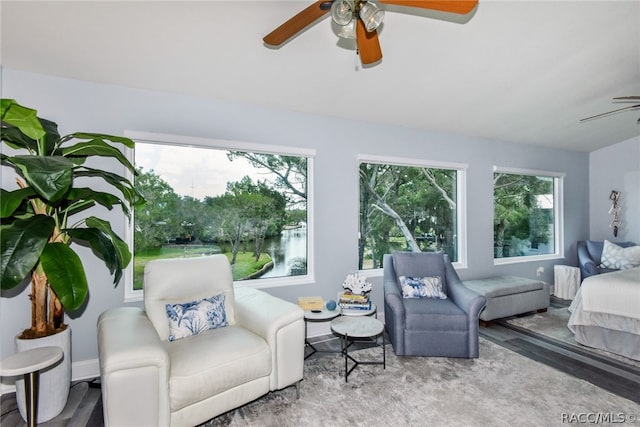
x=65, y=274
x=97, y=147
x=22, y=242
x=11, y=200
x=101, y=244
x=120, y=245
x=14, y=138
x=107, y=200
x=25, y=119
x=51, y=139
x=51, y=176
x=118, y=139
x=131, y=195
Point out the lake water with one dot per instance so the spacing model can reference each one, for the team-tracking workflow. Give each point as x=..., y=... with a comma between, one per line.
x=287, y=251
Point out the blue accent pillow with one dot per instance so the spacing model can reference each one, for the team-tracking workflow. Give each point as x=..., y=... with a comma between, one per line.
x=422, y=287
x=192, y=318
x=420, y=264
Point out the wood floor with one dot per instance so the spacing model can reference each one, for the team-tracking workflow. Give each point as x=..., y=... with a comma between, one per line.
x=610, y=374
x=84, y=408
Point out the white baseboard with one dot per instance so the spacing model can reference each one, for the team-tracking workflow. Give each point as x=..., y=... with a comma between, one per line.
x=85, y=369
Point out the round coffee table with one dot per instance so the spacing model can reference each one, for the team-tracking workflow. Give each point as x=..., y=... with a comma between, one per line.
x=360, y=328
x=323, y=315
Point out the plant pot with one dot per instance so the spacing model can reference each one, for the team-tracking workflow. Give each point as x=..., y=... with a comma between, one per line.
x=54, y=382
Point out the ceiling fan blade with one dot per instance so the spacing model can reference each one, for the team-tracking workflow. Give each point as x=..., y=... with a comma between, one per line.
x=368, y=44
x=296, y=24
x=454, y=6
x=627, y=98
x=631, y=107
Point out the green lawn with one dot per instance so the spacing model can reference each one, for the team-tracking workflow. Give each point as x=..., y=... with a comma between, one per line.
x=245, y=263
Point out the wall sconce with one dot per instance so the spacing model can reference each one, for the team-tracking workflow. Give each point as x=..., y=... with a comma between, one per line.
x=614, y=210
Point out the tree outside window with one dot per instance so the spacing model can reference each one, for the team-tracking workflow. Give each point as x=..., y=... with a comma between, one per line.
x=407, y=208
x=203, y=201
x=524, y=215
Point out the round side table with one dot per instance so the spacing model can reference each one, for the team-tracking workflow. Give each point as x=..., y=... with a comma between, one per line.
x=351, y=329
x=323, y=315
x=29, y=363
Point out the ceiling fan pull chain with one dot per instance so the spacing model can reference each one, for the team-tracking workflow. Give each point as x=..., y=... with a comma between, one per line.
x=357, y=57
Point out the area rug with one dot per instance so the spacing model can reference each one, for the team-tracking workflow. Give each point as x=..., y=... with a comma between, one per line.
x=501, y=388
x=553, y=324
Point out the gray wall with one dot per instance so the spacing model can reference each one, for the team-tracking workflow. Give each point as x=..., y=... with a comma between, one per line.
x=615, y=168
x=82, y=106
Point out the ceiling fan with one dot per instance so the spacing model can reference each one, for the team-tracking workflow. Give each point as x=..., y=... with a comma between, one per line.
x=633, y=99
x=359, y=20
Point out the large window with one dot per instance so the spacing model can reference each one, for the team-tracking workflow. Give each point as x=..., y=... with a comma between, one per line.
x=207, y=197
x=409, y=206
x=527, y=214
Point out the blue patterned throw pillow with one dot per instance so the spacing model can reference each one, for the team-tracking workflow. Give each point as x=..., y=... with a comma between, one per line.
x=422, y=287
x=192, y=318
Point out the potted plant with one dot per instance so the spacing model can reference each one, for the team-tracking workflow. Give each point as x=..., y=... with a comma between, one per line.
x=42, y=217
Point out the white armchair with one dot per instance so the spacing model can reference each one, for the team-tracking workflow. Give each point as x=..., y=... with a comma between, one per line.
x=148, y=380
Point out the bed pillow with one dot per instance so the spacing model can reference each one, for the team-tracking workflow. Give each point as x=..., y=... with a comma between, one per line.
x=422, y=287
x=194, y=317
x=618, y=258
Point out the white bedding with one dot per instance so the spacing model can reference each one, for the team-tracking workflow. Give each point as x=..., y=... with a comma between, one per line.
x=615, y=333
x=616, y=293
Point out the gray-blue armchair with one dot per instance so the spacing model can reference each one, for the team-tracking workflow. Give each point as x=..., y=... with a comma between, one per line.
x=430, y=326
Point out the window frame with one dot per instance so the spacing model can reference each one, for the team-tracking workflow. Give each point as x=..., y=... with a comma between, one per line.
x=131, y=295
x=558, y=214
x=461, y=200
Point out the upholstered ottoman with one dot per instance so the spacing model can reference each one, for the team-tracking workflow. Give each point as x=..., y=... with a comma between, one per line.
x=510, y=295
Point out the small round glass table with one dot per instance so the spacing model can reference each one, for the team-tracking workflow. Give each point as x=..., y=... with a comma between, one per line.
x=361, y=328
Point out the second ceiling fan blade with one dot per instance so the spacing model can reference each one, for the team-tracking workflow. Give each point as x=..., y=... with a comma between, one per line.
x=296, y=24
x=631, y=107
x=461, y=7
x=368, y=44
x=626, y=99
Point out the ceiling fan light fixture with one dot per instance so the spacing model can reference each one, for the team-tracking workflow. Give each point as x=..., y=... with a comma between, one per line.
x=348, y=31
x=342, y=11
x=371, y=16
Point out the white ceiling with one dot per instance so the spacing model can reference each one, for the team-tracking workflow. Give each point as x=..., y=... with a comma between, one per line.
x=515, y=71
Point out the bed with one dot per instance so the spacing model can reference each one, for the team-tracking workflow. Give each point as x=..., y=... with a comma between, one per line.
x=605, y=313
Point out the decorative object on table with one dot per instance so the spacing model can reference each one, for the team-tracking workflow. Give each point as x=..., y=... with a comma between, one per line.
x=311, y=303
x=354, y=301
x=356, y=285
x=53, y=184
x=614, y=210
x=331, y=305
x=356, y=295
